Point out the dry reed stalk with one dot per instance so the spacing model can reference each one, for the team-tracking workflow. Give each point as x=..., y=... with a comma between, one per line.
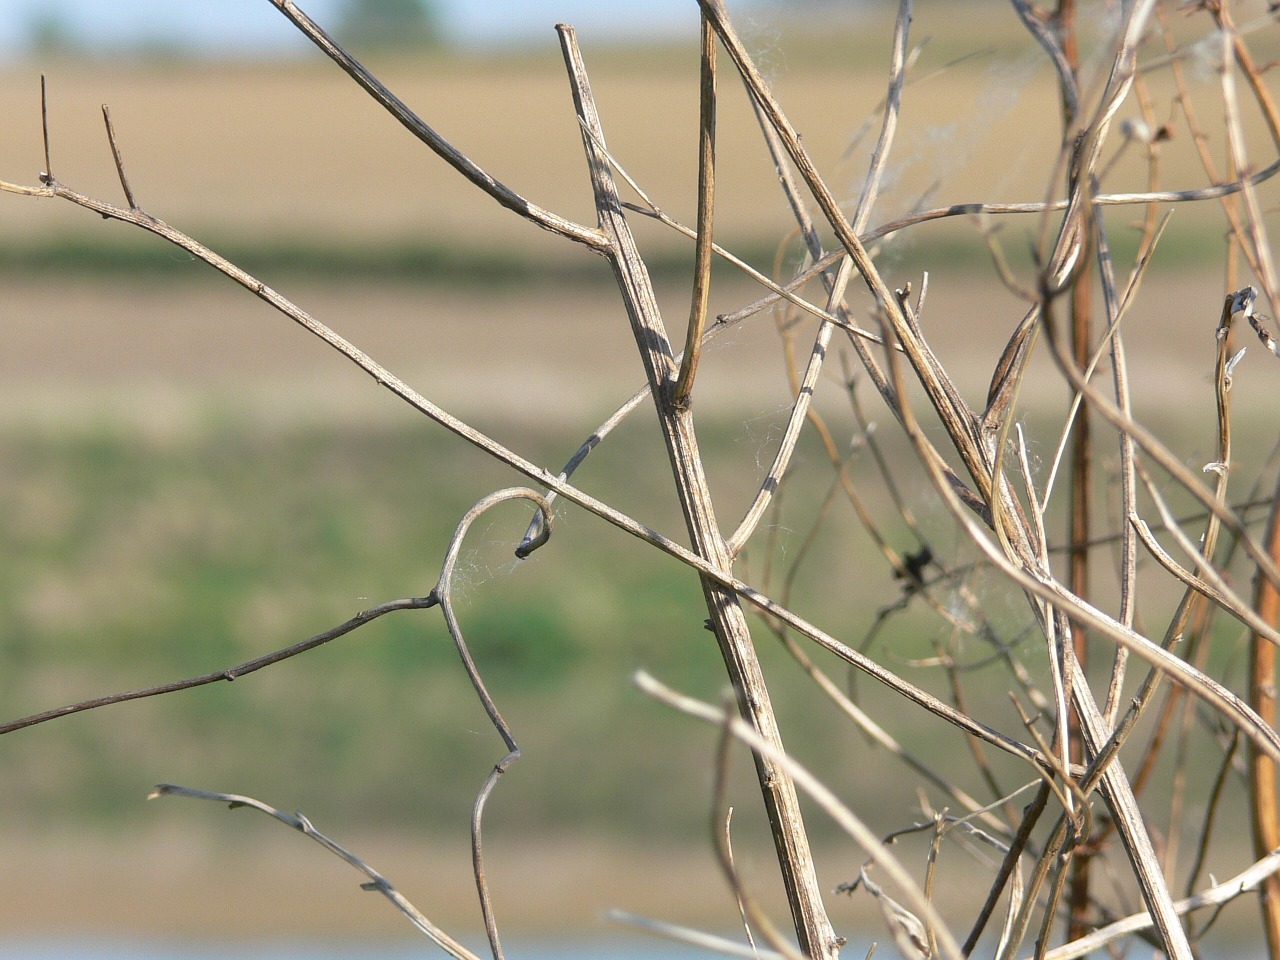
x=1264, y=797
x=727, y=619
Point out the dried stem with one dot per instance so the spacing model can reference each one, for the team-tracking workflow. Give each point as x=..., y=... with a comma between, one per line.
x=706, y=216
x=229, y=673
x=119, y=161
x=441, y=147
x=820, y=794
x=1264, y=798
x=444, y=590
x=376, y=883
x=47, y=176
x=727, y=620
x=1216, y=895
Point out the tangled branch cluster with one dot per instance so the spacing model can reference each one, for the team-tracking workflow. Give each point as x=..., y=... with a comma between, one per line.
x=978, y=462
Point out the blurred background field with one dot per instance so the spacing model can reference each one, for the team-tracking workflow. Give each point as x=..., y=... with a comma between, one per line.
x=187, y=481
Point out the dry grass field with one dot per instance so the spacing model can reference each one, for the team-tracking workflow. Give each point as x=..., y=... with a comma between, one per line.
x=293, y=152
x=296, y=150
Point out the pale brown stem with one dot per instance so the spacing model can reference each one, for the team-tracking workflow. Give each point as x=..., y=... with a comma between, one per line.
x=500, y=192
x=706, y=218
x=1264, y=799
x=727, y=619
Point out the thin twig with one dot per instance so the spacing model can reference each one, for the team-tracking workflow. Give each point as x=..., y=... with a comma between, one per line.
x=795, y=421
x=1211, y=586
x=749, y=907
x=1211, y=809
x=444, y=590
x=119, y=161
x=1215, y=192
x=694, y=938
x=889, y=123
x=732, y=866
x=1216, y=895
x=513, y=201
x=1030, y=817
x=818, y=792
x=47, y=176
x=706, y=217
x=376, y=883
x=229, y=673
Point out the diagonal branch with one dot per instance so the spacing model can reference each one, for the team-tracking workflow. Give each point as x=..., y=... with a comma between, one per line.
x=538, y=474
x=442, y=148
x=823, y=796
x=376, y=883
x=229, y=673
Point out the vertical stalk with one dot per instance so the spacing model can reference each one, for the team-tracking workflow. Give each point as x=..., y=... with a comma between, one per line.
x=1080, y=479
x=1264, y=799
x=1081, y=485
x=727, y=619
x=706, y=207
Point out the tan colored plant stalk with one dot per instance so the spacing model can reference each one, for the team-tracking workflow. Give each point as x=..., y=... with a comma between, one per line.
x=727, y=618
x=706, y=218
x=1264, y=799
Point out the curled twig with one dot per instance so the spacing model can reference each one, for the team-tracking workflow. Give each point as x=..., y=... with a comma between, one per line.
x=444, y=590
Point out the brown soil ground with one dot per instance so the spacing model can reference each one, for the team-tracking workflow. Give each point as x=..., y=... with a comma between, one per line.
x=158, y=355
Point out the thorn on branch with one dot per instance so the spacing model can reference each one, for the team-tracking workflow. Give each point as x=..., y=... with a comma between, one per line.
x=115, y=153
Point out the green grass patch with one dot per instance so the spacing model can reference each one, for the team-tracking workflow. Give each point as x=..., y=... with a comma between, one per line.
x=932, y=246
x=126, y=562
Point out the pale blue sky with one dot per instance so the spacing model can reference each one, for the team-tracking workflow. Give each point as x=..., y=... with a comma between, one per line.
x=248, y=24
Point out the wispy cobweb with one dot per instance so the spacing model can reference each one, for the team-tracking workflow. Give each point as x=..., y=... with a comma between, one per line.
x=928, y=156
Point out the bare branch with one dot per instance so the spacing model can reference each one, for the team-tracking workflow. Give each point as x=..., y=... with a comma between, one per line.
x=442, y=148
x=706, y=217
x=115, y=154
x=230, y=673
x=1216, y=895
x=947, y=576
x=821, y=795
x=376, y=882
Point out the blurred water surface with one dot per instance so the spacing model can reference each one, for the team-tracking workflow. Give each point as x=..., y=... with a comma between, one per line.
x=108, y=948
